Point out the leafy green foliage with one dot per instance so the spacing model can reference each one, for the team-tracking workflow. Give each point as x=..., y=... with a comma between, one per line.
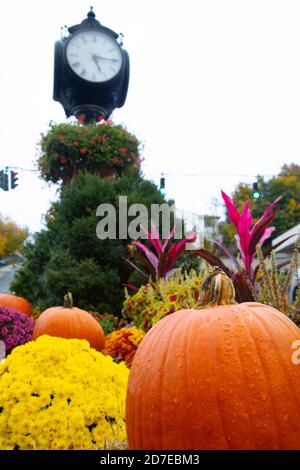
x=68, y=256
x=108, y=321
x=162, y=297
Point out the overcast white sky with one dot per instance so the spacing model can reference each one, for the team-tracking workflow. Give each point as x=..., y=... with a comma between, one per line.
x=214, y=90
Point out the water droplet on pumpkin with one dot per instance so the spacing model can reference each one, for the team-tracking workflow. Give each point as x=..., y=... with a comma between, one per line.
x=286, y=417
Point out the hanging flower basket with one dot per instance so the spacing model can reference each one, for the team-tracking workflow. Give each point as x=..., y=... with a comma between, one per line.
x=102, y=148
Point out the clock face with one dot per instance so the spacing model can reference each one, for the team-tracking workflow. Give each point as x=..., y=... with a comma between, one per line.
x=94, y=56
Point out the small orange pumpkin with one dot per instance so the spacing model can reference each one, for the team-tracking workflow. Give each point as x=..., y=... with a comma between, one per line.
x=70, y=322
x=220, y=376
x=15, y=303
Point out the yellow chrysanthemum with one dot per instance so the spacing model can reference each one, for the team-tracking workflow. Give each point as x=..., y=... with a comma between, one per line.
x=59, y=393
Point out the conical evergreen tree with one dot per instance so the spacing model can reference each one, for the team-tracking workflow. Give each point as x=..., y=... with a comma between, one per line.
x=67, y=255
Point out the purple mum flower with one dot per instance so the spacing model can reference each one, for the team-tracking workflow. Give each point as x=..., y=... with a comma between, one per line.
x=16, y=328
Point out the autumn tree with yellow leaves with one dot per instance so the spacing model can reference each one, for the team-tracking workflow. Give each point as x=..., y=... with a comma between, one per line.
x=12, y=237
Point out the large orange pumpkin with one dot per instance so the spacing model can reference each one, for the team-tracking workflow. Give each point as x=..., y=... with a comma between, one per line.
x=15, y=303
x=220, y=376
x=70, y=322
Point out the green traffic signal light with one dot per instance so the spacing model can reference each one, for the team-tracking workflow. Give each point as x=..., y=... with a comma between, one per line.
x=162, y=186
x=255, y=191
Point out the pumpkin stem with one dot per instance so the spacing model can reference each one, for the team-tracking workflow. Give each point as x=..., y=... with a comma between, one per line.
x=68, y=300
x=217, y=289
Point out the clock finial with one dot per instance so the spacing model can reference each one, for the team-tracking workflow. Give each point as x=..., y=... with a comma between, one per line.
x=90, y=22
x=91, y=13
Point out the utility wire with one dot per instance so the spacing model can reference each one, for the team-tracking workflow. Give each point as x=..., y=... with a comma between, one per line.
x=205, y=175
x=197, y=175
x=18, y=168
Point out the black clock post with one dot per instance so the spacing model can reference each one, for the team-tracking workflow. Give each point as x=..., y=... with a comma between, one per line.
x=91, y=70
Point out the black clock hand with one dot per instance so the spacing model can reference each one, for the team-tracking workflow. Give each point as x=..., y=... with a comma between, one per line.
x=94, y=57
x=105, y=58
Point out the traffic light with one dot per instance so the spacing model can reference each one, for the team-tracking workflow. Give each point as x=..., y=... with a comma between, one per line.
x=255, y=191
x=4, y=180
x=13, y=179
x=162, y=186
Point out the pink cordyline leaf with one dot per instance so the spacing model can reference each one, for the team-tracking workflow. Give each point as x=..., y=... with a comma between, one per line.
x=151, y=256
x=213, y=260
x=168, y=238
x=156, y=237
x=258, y=232
x=165, y=259
x=244, y=234
x=268, y=232
x=267, y=212
x=181, y=246
x=227, y=252
x=249, y=237
x=170, y=258
x=155, y=231
x=146, y=263
x=177, y=249
x=155, y=242
x=191, y=238
x=233, y=213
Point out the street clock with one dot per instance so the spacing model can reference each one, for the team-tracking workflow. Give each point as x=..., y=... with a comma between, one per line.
x=91, y=70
